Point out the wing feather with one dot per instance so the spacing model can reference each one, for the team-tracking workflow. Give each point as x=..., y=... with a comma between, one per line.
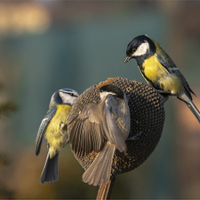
x=87, y=134
x=169, y=65
x=42, y=128
x=113, y=133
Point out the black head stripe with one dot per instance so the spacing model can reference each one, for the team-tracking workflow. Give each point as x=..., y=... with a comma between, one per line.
x=69, y=91
x=114, y=89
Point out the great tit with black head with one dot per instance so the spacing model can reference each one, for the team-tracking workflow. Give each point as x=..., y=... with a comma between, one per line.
x=53, y=126
x=102, y=127
x=159, y=70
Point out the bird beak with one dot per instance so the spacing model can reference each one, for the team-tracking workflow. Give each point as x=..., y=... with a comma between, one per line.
x=127, y=59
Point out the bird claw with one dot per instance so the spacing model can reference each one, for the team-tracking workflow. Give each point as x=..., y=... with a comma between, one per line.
x=62, y=126
x=128, y=96
x=136, y=137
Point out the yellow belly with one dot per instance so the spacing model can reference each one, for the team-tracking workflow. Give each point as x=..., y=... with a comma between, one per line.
x=55, y=130
x=156, y=73
x=173, y=84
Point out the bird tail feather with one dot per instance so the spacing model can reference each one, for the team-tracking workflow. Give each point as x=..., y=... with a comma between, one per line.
x=99, y=171
x=50, y=170
x=194, y=110
x=184, y=97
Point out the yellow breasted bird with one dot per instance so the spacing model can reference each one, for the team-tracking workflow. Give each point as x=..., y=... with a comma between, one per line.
x=53, y=126
x=159, y=70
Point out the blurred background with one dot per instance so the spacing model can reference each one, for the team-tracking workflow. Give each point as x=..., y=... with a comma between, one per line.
x=48, y=45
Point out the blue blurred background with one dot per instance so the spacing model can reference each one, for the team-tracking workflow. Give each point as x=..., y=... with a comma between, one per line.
x=48, y=45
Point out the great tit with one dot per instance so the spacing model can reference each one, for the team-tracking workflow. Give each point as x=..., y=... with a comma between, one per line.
x=159, y=70
x=101, y=127
x=53, y=126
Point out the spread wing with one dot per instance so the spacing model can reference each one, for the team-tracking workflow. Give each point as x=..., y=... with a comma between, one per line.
x=169, y=65
x=96, y=125
x=87, y=134
x=42, y=128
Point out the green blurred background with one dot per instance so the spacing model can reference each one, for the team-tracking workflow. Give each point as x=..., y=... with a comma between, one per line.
x=48, y=45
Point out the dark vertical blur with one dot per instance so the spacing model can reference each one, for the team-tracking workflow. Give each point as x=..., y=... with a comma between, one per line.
x=47, y=45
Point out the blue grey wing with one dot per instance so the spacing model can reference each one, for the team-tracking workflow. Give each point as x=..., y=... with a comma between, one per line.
x=169, y=65
x=42, y=128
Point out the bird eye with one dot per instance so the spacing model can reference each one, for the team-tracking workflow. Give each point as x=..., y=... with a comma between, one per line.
x=133, y=50
x=71, y=94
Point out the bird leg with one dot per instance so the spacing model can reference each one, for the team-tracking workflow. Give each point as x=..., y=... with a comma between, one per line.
x=136, y=137
x=164, y=92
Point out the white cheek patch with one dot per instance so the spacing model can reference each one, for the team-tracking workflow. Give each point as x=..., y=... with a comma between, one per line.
x=66, y=98
x=142, y=49
x=104, y=94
